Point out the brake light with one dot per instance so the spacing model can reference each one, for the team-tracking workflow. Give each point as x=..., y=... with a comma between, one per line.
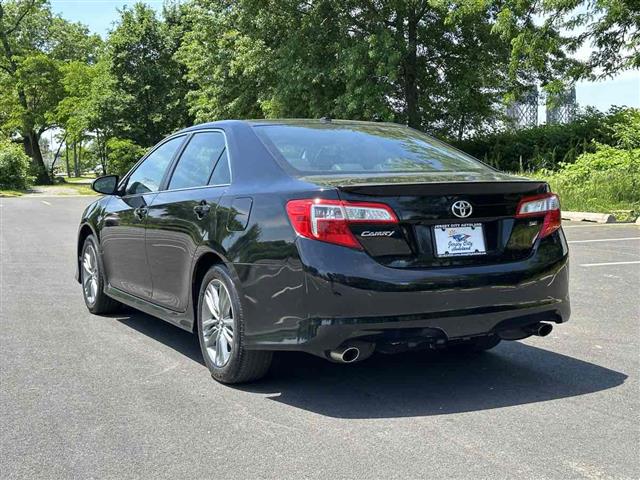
x=547, y=205
x=328, y=220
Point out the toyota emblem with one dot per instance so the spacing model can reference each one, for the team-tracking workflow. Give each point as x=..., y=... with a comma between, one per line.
x=461, y=209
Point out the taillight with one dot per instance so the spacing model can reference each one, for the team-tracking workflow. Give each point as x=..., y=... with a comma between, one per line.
x=328, y=220
x=547, y=205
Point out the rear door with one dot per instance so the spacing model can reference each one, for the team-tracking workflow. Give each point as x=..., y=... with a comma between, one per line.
x=183, y=215
x=123, y=233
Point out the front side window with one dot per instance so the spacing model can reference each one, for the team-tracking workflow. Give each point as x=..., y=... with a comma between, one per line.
x=148, y=176
x=198, y=160
x=327, y=149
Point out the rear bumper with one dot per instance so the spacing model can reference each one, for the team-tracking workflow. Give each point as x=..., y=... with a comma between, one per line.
x=349, y=295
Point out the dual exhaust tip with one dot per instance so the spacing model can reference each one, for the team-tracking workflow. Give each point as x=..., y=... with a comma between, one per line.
x=358, y=350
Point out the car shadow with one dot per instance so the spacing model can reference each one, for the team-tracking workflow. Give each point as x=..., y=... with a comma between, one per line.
x=410, y=384
x=180, y=340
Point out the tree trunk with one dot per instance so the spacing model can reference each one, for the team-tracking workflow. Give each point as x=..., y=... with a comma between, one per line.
x=411, y=73
x=79, y=173
x=461, y=126
x=75, y=159
x=32, y=148
x=102, y=148
x=66, y=152
x=52, y=174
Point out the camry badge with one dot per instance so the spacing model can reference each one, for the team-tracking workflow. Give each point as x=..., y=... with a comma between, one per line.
x=461, y=209
x=383, y=233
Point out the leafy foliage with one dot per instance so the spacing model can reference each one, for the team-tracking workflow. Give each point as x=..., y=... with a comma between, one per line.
x=34, y=44
x=612, y=27
x=14, y=167
x=147, y=80
x=607, y=179
x=410, y=62
x=122, y=155
x=443, y=66
x=548, y=146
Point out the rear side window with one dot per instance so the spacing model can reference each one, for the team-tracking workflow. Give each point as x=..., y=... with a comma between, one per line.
x=325, y=149
x=148, y=176
x=198, y=160
x=221, y=174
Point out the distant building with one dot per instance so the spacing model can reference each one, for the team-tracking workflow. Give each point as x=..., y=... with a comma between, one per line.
x=524, y=112
x=562, y=108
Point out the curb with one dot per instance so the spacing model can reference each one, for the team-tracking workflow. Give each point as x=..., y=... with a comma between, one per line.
x=589, y=217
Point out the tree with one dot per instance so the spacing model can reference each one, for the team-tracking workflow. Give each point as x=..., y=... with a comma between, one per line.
x=123, y=154
x=33, y=45
x=225, y=66
x=423, y=63
x=146, y=78
x=611, y=27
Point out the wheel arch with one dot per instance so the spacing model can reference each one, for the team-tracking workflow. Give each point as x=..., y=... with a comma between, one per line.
x=83, y=232
x=202, y=264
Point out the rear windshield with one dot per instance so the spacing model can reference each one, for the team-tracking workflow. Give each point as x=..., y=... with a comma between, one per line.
x=351, y=148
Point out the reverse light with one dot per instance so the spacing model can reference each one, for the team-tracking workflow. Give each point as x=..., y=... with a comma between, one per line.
x=328, y=220
x=547, y=205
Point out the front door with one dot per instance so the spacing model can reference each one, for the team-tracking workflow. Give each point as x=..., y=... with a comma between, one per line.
x=183, y=216
x=123, y=234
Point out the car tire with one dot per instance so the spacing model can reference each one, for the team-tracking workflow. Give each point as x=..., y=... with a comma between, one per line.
x=478, y=344
x=92, y=280
x=220, y=329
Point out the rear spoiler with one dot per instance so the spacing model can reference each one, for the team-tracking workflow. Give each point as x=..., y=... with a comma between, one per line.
x=528, y=187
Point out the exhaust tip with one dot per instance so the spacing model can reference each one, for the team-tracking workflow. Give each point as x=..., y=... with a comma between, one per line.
x=544, y=329
x=351, y=354
x=353, y=351
x=345, y=355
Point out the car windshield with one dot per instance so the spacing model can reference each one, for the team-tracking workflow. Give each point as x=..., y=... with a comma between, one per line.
x=325, y=149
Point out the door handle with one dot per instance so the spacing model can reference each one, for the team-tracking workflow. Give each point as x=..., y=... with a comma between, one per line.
x=201, y=209
x=140, y=212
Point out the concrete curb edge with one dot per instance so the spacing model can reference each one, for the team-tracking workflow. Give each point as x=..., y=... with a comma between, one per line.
x=589, y=217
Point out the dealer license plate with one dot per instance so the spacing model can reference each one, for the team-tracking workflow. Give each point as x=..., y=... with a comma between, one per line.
x=459, y=240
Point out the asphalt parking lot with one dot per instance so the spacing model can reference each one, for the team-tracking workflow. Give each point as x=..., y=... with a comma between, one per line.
x=128, y=396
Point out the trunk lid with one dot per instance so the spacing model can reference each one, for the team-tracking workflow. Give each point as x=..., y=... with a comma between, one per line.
x=423, y=202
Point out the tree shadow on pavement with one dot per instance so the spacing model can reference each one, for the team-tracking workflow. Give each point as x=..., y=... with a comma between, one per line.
x=410, y=384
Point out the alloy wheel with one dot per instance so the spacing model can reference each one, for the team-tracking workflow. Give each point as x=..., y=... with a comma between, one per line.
x=90, y=274
x=217, y=323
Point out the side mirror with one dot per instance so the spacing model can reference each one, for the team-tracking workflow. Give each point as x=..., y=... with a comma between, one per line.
x=107, y=185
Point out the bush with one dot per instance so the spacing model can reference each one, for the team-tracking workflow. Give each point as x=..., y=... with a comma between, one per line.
x=549, y=146
x=14, y=167
x=122, y=154
x=607, y=180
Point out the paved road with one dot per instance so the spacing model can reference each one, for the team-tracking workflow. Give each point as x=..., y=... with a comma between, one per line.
x=128, y=396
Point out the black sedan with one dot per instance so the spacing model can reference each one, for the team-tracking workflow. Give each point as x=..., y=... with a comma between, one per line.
x=335, y=238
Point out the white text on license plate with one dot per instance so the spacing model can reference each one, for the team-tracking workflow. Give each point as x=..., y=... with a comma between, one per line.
x=459, y=239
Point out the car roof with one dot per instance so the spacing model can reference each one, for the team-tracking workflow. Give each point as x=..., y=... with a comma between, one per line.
x=284, y=121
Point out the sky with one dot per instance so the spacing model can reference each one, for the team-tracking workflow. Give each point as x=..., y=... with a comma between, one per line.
x=624, y=89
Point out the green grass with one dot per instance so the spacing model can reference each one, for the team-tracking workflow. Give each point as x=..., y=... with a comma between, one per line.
x=67, y=189
x=603, y=192
x=605, y=181
x=61, y=189
x=76, y=180
x=10, y=193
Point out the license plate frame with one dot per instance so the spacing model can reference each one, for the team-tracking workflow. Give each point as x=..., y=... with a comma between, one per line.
x=472, y=241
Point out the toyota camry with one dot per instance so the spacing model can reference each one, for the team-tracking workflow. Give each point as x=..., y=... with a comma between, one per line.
x=336, y=238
